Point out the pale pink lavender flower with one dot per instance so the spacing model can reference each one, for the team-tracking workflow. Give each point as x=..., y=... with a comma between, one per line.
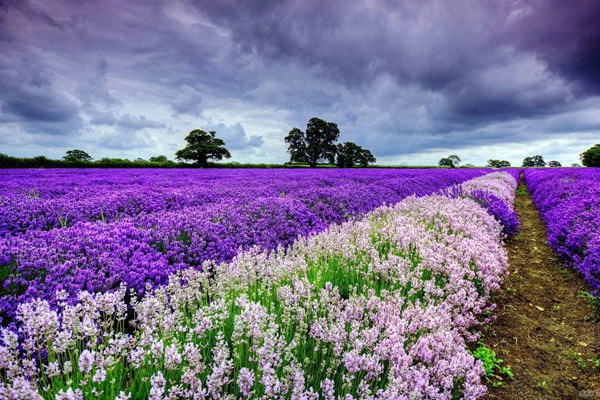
x=20, y=389
x=245, y=382
x=86, y=361
x=222, y=368
x=327, y=386
x=99, y=376
x=69, y=394
x=172, y=357
x=158, y=383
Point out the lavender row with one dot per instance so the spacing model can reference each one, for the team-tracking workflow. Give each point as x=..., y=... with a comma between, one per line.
x=379, y=308
x=569, y=203
x=48, y=199
x=144, y=250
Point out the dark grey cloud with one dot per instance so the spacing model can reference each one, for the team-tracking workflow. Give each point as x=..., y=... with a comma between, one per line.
x=30, y=97
x=448, y=47
x=566, y=36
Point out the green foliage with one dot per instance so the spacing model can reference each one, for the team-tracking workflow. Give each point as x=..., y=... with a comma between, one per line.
x=297, y=145
x=491, y=363
x=498, y=164
x=350, y=154
x=542, y=384
x=534, y=161
x=77, y=155
x=315, y=145
x=579, y=360
x=451, y=161
x=554, y=164
x=201, y=147
x=591, y=157
x=7, y=161
x=159, y=159
x=594, y=301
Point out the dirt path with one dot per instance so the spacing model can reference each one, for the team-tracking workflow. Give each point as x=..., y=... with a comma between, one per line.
x=543, y=330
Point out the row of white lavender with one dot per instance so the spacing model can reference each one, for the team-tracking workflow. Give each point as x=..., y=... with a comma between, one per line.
x=380, y=308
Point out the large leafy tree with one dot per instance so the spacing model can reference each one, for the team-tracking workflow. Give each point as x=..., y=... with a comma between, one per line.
x=202, y=146
x=451, y=161
x=534, y=161
x=554, y=164
x=591, y=157
x=498, y=164
x=77, y=155
x=350, y=154
x=316, y=144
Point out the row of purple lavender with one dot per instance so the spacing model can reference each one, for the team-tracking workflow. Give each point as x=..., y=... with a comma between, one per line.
x=91, y=230
x=569, y=203
x=376, y=308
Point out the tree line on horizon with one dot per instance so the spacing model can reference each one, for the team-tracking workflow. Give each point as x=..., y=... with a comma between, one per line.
x=316, y=145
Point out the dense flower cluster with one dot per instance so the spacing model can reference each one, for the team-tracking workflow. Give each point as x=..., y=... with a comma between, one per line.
x=47, y=199
x=496, y=193
x=569, y=203
x=377, y=308
x=140, y=226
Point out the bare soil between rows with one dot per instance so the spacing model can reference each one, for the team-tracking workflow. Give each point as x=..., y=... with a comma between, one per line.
x=544, y=330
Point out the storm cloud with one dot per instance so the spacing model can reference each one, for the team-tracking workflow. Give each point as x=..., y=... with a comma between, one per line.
x=411, y=80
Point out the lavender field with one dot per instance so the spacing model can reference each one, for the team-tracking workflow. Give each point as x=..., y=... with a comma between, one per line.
x=93, y=229
x=249, y=283
x=569, y=203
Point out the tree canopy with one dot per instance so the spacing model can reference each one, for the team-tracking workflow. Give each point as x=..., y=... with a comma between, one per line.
x=350, y=154
x=498, y=164
x=591, y=157
x=315, y=145
x=77, y=155
x=201, y=147
x=160, y=159
x=451, y=161
x=297, y=145
x=554, y=164
x=534, y=161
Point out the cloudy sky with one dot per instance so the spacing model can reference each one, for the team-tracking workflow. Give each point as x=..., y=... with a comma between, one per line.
x=410, y=80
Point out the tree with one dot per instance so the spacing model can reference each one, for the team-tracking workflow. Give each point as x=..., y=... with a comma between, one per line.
x=297, y=145
x=159, y=159
x=591, y=157
x=77, y=155
x=451, y=161
x=316, y=144
x=349, y=154
x=498, y=164
x=554, y=164
x=201, y=147
x=534, y=161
